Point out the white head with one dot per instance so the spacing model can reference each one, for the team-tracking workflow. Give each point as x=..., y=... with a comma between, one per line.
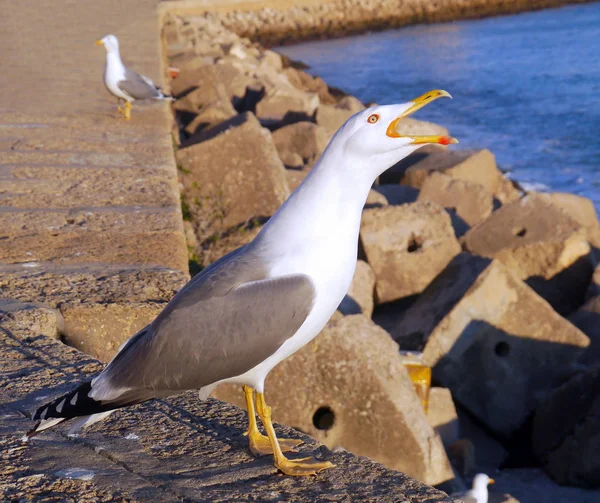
x=110, y=43
x=480, y=486
x=371, y=136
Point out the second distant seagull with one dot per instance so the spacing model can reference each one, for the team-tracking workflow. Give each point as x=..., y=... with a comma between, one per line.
x=123, y=82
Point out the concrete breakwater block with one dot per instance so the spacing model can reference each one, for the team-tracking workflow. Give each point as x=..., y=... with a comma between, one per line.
x=541, y=245
x=407, y=246
x=491, y=339
x=471, y=202
x=566, y=431
x=234, y=175
x=349, y=388
x=475, y=166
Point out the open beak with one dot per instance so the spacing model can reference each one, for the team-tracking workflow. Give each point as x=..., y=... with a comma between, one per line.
x=99, y=42
x=417, y=104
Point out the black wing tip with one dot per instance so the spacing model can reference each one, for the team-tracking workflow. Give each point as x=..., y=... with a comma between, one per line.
x=83, y=404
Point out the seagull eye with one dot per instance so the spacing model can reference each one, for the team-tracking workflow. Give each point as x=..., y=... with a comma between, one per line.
x=373, y=118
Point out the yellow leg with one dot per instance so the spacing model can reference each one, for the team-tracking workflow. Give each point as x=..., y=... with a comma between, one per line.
x=127, y=110
x=119, y=109
x=297, y=467
x=259, y=444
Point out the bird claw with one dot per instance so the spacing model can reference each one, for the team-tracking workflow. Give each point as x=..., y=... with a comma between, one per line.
x=260, y=445
x=302, y=467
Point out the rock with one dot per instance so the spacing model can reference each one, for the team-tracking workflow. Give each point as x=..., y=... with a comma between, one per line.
x=350, y=389
x=350, y=103
x=412, y=127
x=306, y=82
x=397, y=194
x=407, y=246
x=306, y=139
x=581, y=210
x=233, y=176
x=272, y=59
x=285, y=104
x=237, y=82
x=477, y=167
x=442, y=415
x=462, y=456
x=100, y=329
x=541, y=245
x=209, y=116
x=332, y=118
x=295, y=176
x=470, y=201
x=375, y=200
x=362, y=290
x=30, y=318
x=488, y=453
x=566, y=431
x=189, y=80
x=587, y=319
x=491, y=339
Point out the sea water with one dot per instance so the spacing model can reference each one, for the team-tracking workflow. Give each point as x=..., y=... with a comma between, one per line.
x=525, y=86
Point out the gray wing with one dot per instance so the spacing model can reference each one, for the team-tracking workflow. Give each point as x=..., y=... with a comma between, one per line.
x=138, y=86
x=218, y=326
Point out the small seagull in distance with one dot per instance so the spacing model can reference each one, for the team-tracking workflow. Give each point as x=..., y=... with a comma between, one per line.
x=123, y=82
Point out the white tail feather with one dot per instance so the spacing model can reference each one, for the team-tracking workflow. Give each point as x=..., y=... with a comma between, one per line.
x=85, y=421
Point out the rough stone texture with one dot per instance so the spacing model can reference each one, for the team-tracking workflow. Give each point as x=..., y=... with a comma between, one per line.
x=307, y=82
x=566, y=431
x=277, y=22
x=89, y=202
x=305, y=139
x=470, y=319
x=473, y=166
x=284, y=105
x=99, y=330
x=407, y=246
x=57, y=284
x=233, y=176
x=331, y=118
x=541, y=245
x=209, y=116
x=177, y=449
x=470, y=201
x=295, y=177
x=397, y=194
x=362, y=290
x=353, y=371
x=442, y=415
x=587, y=319
x=488, y=454
x=35, y=318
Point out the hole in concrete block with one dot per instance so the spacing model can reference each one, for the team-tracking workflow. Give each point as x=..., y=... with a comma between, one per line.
x=520, y=232
x=324, y=418
x=415, y=243
x=502, y=349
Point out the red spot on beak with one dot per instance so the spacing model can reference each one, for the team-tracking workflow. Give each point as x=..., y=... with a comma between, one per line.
x=446, y=140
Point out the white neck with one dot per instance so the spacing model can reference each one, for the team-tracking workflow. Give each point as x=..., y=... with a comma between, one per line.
x=113, y=59
x=328, y=204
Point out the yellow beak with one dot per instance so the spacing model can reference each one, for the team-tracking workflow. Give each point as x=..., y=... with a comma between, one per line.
x=417, y=104
x=99, y=42
x=492, y=481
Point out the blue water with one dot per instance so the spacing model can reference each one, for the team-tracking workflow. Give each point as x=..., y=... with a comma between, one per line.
x=525, y=86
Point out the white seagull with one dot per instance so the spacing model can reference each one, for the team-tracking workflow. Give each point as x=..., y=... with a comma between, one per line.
x=254, y=307
x=123, y=82
x=479, y=492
